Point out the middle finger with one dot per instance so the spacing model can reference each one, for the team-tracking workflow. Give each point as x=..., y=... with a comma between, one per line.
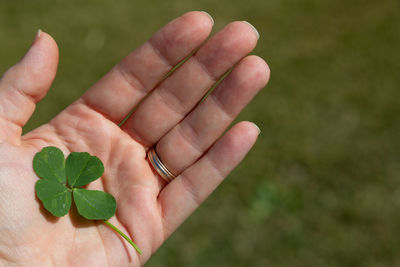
x=179, y=93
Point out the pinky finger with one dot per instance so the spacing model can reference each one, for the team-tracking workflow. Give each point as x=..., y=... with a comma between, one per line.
x=186, y=192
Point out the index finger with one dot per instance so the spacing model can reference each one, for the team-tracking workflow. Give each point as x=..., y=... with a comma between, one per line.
x=118, y=92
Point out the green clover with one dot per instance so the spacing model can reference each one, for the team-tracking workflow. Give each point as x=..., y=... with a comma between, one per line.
x=62, y=179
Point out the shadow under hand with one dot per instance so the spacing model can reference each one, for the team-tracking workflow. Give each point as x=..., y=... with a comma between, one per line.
x=46, y=214
x=77, y=220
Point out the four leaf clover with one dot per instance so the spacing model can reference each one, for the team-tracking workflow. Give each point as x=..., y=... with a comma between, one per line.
x=62, y=180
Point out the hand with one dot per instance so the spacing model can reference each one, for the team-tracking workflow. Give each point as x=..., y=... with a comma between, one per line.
x=166, y=115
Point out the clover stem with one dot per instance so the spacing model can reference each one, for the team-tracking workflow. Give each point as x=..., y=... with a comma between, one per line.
x=123, y=235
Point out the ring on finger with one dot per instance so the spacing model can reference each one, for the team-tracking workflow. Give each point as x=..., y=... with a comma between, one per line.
x=157, y=164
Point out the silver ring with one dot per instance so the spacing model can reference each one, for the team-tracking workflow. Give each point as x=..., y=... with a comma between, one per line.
x=159, y=166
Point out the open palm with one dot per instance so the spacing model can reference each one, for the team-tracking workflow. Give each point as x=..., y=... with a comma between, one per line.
x=168, y=114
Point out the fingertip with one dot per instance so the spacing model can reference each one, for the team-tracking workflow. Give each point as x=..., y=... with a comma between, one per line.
x=255, y=126
x=179, y=37
x=47, y=45
x=35, y=72
x=240, y=139
x=246, y=31
x=253, y=69
x=41, y=61
x=209, y=16
x=253, y=28
x=249, y=130
x=199, y=18
x=27, y=82
x=260, y=69
x=226, y=47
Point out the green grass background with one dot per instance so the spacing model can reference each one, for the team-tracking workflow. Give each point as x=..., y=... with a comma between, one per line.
x=322, y=186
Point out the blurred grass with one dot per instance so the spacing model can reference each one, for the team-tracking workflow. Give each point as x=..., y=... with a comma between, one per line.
x=321, y=187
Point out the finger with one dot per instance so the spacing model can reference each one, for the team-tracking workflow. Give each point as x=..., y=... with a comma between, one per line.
x=187, y=141
x=178, y=94
x=26, y=83
x=184, y=194
x=117, y=93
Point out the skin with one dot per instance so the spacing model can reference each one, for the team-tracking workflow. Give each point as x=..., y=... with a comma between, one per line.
x=187, y=138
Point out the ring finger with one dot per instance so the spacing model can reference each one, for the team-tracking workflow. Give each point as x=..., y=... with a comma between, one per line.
x=188, y=141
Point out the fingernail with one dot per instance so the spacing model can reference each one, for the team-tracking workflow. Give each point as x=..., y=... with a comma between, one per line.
x=211, y=18
x=258, y=128
x=254, y=28
x=38, y=33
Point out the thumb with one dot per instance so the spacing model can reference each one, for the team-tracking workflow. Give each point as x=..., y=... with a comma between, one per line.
x=25, y=84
